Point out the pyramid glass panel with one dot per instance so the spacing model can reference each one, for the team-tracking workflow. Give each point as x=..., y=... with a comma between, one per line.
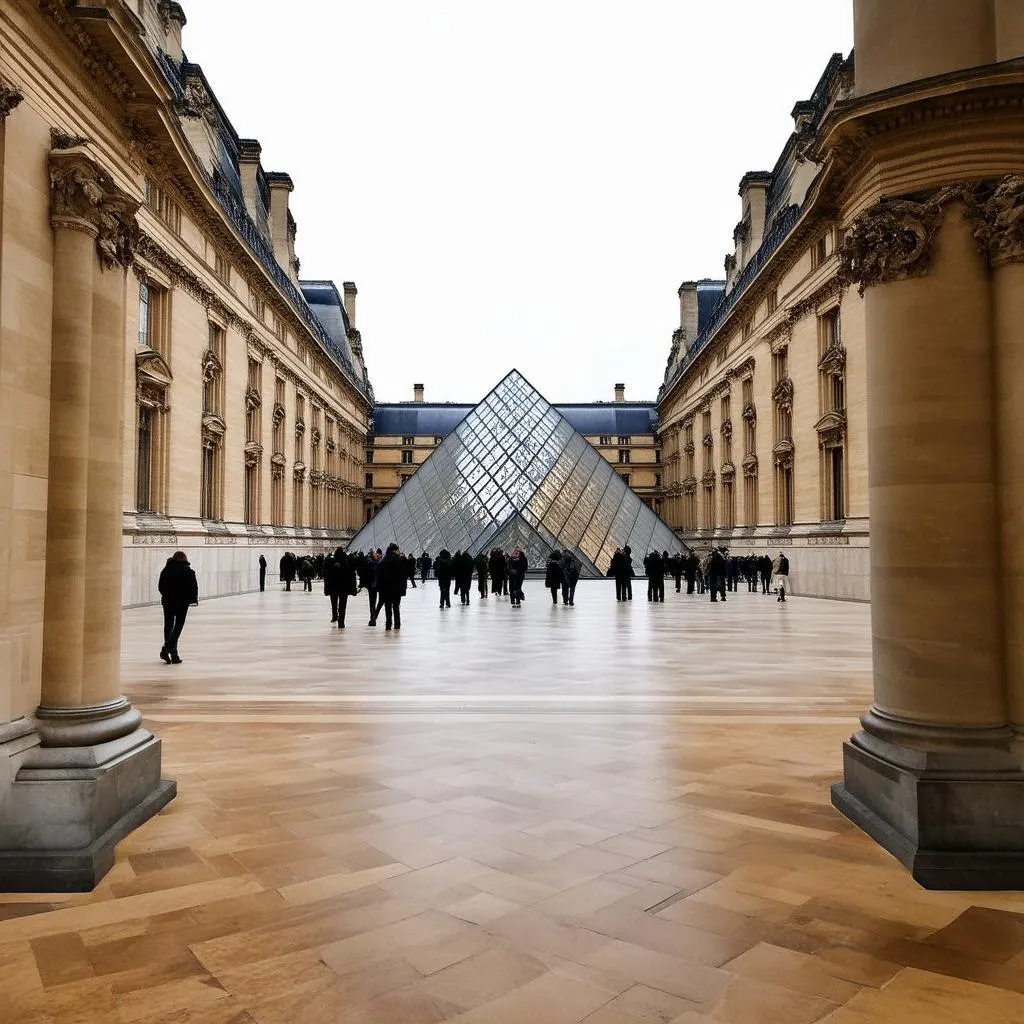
x=515, y=473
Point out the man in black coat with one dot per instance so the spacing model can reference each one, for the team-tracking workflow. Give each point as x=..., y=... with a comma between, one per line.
x=518, y=563
x=391, y=577
x=717, y=570
x=654, y=566
x=443, y=572
x=498, y=573
x=287, y=569
x=425, y=564
x=368, y=579
x=179, y=590
x=690, y=566
x=481, y=573
x=627, y=555
x=765, y=567
x=263, y=574
x=410, y=569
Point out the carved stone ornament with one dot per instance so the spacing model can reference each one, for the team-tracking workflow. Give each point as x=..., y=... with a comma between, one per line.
x=833, y=362
x=708, y=440
x=118, y=231
x=212, y=430
x=782, y=394
x=831, y=429
x=277, y=459
x=316, y=477
x=279, y=414
x=779, y=337
x=152, y=379
x=252, y=453
x=253, y=398
x=782, y=453
x=690, y=485
x=9, y=99
x=726, y=429
x=689, y=448
x=750, y=412
x=331, y=445
x=77, y=188
x=60, y=139
x=893, y=240
x=997, y=215
x=750, y=464
x=197, y=102
x=709, y=477
x=728, y=472
x=300, y=427
x=211, y=367
x=314, y=436
x=299, y=471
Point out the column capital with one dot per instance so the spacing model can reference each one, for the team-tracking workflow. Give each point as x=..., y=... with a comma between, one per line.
x=10, y=97
x=83, y=197
x=894, y=239
x=996, y=212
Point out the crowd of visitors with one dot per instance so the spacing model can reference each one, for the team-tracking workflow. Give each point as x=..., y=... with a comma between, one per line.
x=385, y=575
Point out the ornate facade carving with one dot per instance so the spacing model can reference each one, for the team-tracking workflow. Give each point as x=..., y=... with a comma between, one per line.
x=152, y=379
x=833, y=361
x=829, y=290
x=118, y=231
x=689, y=448
x=893, y=240
x=782, y=394
x=749, y=465
x=278, y=414
x=10, y=97
x=314, y=435
x=253, y=398
x=783, y=453
x=726, y=429
x=996, y=211
x=689, y=485
x=210, y=366
x=252, y=453
x=299, y=472
x=778, y=338
x=300, y=427
x=60, y=139
x=212, y=430
x=76, y=191
x=708, y=440
x=709, y=477
x=728, y=472
x=831, y=429
x=750, y=412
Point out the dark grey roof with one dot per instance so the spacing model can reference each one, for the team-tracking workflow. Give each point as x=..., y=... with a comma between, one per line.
x=426, y=419
x=708, y=293
x=329, y=308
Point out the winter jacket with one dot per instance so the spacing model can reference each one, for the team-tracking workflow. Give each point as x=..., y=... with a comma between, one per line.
x=443, y=568
x=287, y=567
x=391, y=576
x=570, y=566
x=178, y=584
x=553, y=574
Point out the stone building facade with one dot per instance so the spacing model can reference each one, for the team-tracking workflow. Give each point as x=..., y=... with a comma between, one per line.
x=404, y=434
x=166, y=381
x=763, y=409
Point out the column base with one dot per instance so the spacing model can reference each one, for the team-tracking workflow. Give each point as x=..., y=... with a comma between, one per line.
x=60, y=823
x=952, y=829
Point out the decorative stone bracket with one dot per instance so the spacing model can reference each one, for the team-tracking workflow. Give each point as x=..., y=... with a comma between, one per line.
x=750, y=412
x=152, y=378
x=726, y=429
x=728, y=472
x=750, y=465
x=299, y=472
x=689, y=485
x=10, y=97
x=783, y=453
x=997, y=212
x=278, y=414
x=253, y=398
x=708, y=440
x=709, y=477
x=211, y=366
x=252, y=453
x=831, y=429
x=213, y=430
x=689, y=448
x=782, y=394
x=833, y=362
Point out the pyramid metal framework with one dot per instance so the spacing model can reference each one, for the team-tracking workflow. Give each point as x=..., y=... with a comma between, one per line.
x=514, y=472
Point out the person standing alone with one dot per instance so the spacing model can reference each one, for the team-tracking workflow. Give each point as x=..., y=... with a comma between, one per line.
x=263, y=574
x=570, y=565
x=780, y=571
x=287, y=569
x=179, y=590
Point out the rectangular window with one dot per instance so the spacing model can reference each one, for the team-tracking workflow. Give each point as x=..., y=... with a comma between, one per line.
x=213, y=380
x=257, y=303
x=369, y=456
x=143, y=313
x=818, y=252
x=252, y=496
x=625, y=439
x=657, y=455
x=728, y=505
x=369, y=481
x=748, y=328
x=623, y=455
x=252, y=414
x=221, y=267
x=773, y=301
x=207, y=484
x=605, y=439
x=163, y=206
x=277, y=497
x=144, y=461
x=408, y=439
x=726, y=414
x=657, y=479
x=406, y=456
x=836, y=497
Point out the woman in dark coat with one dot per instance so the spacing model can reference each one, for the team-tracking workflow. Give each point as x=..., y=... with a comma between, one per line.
x=287, y=569
x=517, y=566
x=339, y=584
x=497, y=567
x=443, y=571
x=463, y=563
x=179, y=589
x=481, y=573
x=570, y=566
x=553, y=575
x=391, y=580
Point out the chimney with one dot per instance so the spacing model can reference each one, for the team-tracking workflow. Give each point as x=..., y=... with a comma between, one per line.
x=688, y=312
x=753, y=195
x=620, y=392
x=351, y=291
x=248, y=168
x=417, y=392
x=280, y=186
x=175, y=21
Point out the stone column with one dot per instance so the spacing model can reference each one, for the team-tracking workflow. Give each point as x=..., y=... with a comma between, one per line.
x=933, y=775
x=95, y=774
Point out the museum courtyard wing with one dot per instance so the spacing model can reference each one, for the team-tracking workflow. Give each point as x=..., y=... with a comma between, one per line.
x=514, y=472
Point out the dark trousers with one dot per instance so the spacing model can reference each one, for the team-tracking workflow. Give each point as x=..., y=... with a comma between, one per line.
x=515, y=589
x=627, y=585
x=679, y=582
x=334, y=607
x=656, y=589
x=554, y=593
x=307, y=585
x=342, y=600
x=766, y=581
x=691, y=583
x=371, y=593
x=620, y=589
x=481, y=585
x=446, y=593
x=568, y=592
x=412, y=580
x=392, y=612
x=287, y=584
x=174, y=623
x=717, y=586
x=263, y=579
x=423, y=575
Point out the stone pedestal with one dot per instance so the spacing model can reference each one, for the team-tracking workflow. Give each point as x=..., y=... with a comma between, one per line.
x=85, y=770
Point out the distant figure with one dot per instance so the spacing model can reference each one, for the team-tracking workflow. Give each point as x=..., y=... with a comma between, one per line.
x=716, y=573
x=263, y=574
x=618, y=570
x=305, y=571
x=368, y=571
x=425, y=563
x=553, y=575
x=443, y=572
x=481, y=573
x=674, y=566
x=517, y=566
x=570, y=577
x=287, y=569
x=764, y=564
x=391, y=579
x=339, y=584
x=496, y=563
x=654, y=568
x=690, y=566
x=627, y=553
x=462, y=563
x=780, y=570
x=179, y=590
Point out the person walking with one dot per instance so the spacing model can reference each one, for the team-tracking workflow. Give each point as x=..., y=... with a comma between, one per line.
x=654, y=569
x=425, y=564
x=443, y=572
x=463, y=565
x=617, y=569
x=410, y=569
x=263, y=574
x=481, y=573
x=287, y=569
x=340, y=584
x=305, y=571
x=717, y=569
x=570, y=566
x=391, y=580
x=627, y=555
x=517, y=566
x=553, y=575
x=179, y=590
x=368, y=579
x=780, y=570
x=764, y=564
x=690, y=566
x=497, y=567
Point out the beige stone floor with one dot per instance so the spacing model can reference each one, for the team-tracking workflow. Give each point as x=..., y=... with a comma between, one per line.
x=605, y=813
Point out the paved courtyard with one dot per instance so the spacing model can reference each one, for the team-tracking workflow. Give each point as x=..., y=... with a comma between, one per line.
x=607, y=813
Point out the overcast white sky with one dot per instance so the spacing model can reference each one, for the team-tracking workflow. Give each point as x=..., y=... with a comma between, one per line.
x=515, y=184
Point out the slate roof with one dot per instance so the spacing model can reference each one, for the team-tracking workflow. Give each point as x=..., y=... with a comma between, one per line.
x=438, y=419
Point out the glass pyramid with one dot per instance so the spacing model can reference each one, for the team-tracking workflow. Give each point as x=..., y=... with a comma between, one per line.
x=514, y=472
